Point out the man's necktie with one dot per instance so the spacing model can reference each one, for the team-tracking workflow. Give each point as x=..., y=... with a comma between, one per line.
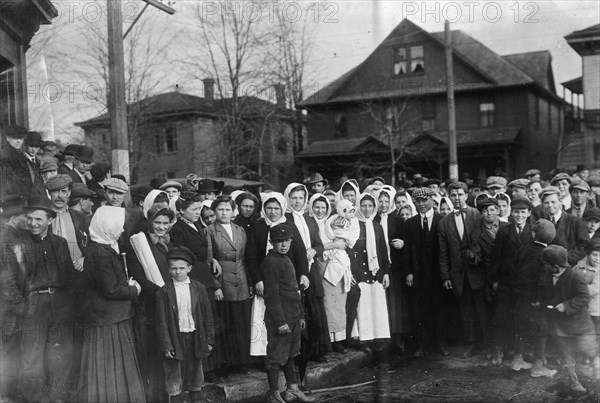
x=553, y=220
x=425, y=226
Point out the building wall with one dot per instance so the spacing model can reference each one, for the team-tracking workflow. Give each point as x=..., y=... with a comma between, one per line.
x=591, y=81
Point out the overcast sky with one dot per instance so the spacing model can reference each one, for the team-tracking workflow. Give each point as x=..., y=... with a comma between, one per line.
x=344, y=34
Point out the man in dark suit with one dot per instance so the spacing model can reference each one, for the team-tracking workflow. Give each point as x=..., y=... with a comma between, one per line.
x=571, y=232
x=580, y=200
x=69, y=224
x=423, y=274
x=458, y=267
x=68, y=159
x=509, y=240
x=11, y=148
x=23, y=168
x=84, y=157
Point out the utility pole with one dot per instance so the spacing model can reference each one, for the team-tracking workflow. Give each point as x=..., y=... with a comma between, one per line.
x=117, y=106
x=453, y=168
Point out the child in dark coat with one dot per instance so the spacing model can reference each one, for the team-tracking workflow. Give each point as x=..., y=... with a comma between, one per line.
x=184, y=324
x=284, y=317
x=530, y=320
x=566, y=297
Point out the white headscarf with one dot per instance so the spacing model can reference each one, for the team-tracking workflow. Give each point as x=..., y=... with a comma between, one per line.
x=384, y=215
x=149, y=200
x=372, y=260
x=207, y=204
x=503, y=195
x=299, y=215
x=283, y=203
x=352, y=183
x=320, y=221
x=107, y=226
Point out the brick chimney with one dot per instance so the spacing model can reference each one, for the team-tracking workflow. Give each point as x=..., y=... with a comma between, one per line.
x=209, y=89
x=279, y=94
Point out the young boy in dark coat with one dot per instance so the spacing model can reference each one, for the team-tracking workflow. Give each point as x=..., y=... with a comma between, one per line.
x=565, y=295
x=284, y=317
x=530, y=321
x=184, y=324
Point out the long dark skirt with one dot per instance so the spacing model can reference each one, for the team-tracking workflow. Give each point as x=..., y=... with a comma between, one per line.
x=109, y=365
x=234, y=342
x=315, y=338
x=399, y=305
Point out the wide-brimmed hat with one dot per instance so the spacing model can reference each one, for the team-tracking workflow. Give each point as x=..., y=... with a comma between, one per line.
x=12, y=205
x=15, y=131
x=316, y=178
x=85, y=154
x=40, y=203
x=34, y=139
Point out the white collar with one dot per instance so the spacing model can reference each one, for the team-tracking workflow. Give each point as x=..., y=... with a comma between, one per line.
x=181, y=283
x=428, y=214
x=557, y=215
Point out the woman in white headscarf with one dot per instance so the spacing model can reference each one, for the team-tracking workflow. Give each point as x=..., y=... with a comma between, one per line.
x=109, y=364
x=371, y=272
x=317, y=329
x=349, y=191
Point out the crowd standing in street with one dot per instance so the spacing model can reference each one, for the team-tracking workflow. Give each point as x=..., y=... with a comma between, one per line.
x=118, y=293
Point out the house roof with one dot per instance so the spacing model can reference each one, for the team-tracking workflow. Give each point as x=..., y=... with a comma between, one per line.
x=512, y=70
x=473, y=137
x=176, y=103
x=586, y=33
x=575, y=85
x=336, y=147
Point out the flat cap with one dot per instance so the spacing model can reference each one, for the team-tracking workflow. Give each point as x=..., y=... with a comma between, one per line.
x=559, y=177
x=593, y=246
x=281, y=232
x=581, y=185
x=593, y=180
x=544, y=231
x=555, y=255
x=519, y=183
x=457, y=185
x=591, y=213
x=116, y=184
x=48, y=166
x=496, y=182
x=80, y=190
x=486, y=202
x=532, y=172
x=521, y=202
x=58, y=182
x=181, y=253
x=422, y=193
x=12, y=205
x=547, y=191
x=170, y=184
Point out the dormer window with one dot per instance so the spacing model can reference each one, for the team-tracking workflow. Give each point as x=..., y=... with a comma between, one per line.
x=409, y=60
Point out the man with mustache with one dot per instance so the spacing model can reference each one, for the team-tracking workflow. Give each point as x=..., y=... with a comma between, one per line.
x=69, y=224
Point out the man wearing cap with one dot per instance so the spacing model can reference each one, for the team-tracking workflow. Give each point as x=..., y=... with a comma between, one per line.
x=423, y=274
x=138, y=194
x=48, y=169
x=533, y=190
x=509, y=240
x=478, y=187
x=518, y=188
x=582, y=172
x=81, y=200
x=207, y=189
x=14, y=224
x=532, y=174
x=115, y=190
x=68, y=158
x=570, y=230
x=316, y=183
x=591, y=218
x=68, y=223
x=580, y=192
x=434, y=185
x=45, y=305
x=172, y=188
x=495, y=185
x=562, y=181
x=24, y=172
x=564, y=299
x=82, y=164
x=457, y=267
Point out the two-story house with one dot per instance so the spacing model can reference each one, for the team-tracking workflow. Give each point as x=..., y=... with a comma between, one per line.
x=174, y=134
x=508, y=116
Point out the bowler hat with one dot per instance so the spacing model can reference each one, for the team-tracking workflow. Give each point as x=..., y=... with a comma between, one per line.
x=479, y=182
x=15, y=131
x=12, y=205
x=316, y=178
x=206, y=186
x=591, y=213
x=281, y=232
x=34, y=139
x=70, y=149
x=80, y=190
x=85, y=154
x=40, y=203
x=544, y=231
x=555, y=255
x=521, y=202
x=181, y=253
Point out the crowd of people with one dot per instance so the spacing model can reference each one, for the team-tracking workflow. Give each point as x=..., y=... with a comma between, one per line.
x=118, y=293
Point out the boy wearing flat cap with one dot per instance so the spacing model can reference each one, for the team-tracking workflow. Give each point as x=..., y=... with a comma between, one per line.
x=591, y=218
x=284, y=316
x=565, y=297
x=184, y=326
